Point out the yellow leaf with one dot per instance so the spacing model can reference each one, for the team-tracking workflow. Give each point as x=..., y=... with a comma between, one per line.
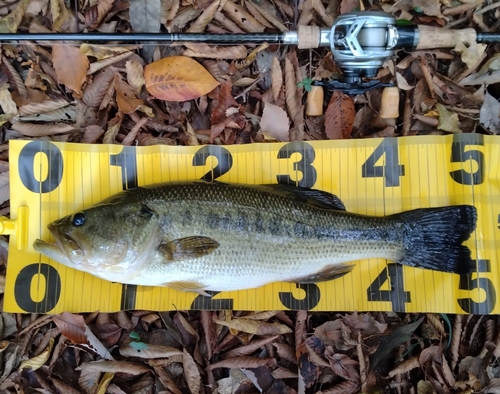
x=101, y=52
x=60, y=15
x=70, y=65
x=178, y=78
x=10, y=23
x=135, y=75
x=104, y=383
x=448, y=121
x=36, y=362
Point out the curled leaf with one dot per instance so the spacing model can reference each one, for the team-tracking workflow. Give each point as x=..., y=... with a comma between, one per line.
x=178, y=78
x=37, y=362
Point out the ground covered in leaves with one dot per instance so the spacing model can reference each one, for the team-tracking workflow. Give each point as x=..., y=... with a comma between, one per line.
x=137, y=95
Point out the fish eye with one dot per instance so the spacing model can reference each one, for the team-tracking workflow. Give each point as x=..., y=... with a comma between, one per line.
x=78, y=219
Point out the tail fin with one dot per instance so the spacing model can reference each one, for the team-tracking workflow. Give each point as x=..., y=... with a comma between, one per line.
x=434, y=236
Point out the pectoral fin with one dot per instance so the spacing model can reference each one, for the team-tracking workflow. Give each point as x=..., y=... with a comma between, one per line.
x=329, y=272
x=194, y=287
x=188, y=248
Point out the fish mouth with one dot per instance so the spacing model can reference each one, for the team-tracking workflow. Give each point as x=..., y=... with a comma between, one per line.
x=65, y=250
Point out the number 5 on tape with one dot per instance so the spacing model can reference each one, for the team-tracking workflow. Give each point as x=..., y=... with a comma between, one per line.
x=17, y=227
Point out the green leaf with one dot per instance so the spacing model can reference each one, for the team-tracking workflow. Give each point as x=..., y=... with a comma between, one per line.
x=417, y=9
x=134, y=335
x=403, y=22
x=306, y=84
x=138, y=345
x=393, y=340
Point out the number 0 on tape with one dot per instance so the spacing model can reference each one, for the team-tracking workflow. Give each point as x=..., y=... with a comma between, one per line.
x=373, y=176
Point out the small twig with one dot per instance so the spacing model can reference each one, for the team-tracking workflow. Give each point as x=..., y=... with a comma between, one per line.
x=407, y=115
x=457, y=22
x=462, y=8
x=427, y=120
x=466, y=110
x=487, y=8
x=427, y=75
x=478, y=21
x=250, y=87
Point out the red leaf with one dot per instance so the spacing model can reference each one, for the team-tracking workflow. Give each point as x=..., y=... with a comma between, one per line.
x=72, y=327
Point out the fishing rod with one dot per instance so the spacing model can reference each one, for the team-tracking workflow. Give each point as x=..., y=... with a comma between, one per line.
x=360, y=43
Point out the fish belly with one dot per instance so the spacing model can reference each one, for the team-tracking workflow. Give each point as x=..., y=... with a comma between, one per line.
x=242, y=263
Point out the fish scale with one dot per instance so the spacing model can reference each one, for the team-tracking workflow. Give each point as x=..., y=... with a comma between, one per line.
x=199, y=236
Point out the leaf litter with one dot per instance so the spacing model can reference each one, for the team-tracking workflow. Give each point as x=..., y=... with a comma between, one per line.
x=131, y=94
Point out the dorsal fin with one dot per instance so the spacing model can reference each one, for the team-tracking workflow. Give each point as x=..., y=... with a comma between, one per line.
x=317, y=198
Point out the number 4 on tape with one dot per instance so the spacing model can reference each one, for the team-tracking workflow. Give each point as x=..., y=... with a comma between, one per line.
x=17, y=227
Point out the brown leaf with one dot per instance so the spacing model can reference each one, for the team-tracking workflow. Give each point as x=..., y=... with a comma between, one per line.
x=221, y=52
x=405, y=366
x=191, y=373
x=204, y=19
x=70, y=65
x=276, y=78
x=167, y=381
x=348, y=6
x=71, y=326
x=108, y=333
x=242, y=18
x=222, y=103
x=243, y=362
x=249, y=348
x=113, y=367
x=363, y=323
x=308, y=371
x=286, y=352
x=339, y=116
x=125, y=96
x=92, y=133
x=342, y=365
x=255, y=327
x=275, y=122
x=152, y=351
x=345, y=387
x=95, y=91
x=42, y=106
x=95, y=15
x=63, y=387
x=210, y=331
x=96, y=66
x=283, y=373
x=40, y=130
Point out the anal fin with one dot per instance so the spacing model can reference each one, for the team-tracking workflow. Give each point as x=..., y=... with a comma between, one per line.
x=329, y=272
x=189, y=286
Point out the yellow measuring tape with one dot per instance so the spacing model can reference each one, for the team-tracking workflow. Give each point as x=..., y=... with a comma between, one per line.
x=372, y=176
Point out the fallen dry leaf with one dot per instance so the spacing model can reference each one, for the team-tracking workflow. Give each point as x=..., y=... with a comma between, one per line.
x=178, y=78
x=125, y=96
x=36, y=362
x=70, y=65
x=255, y=326
x=448, y=121
x=275, y=122
x=339, y=116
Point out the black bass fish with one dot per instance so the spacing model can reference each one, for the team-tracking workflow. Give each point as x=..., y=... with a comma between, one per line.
x=198, y=236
